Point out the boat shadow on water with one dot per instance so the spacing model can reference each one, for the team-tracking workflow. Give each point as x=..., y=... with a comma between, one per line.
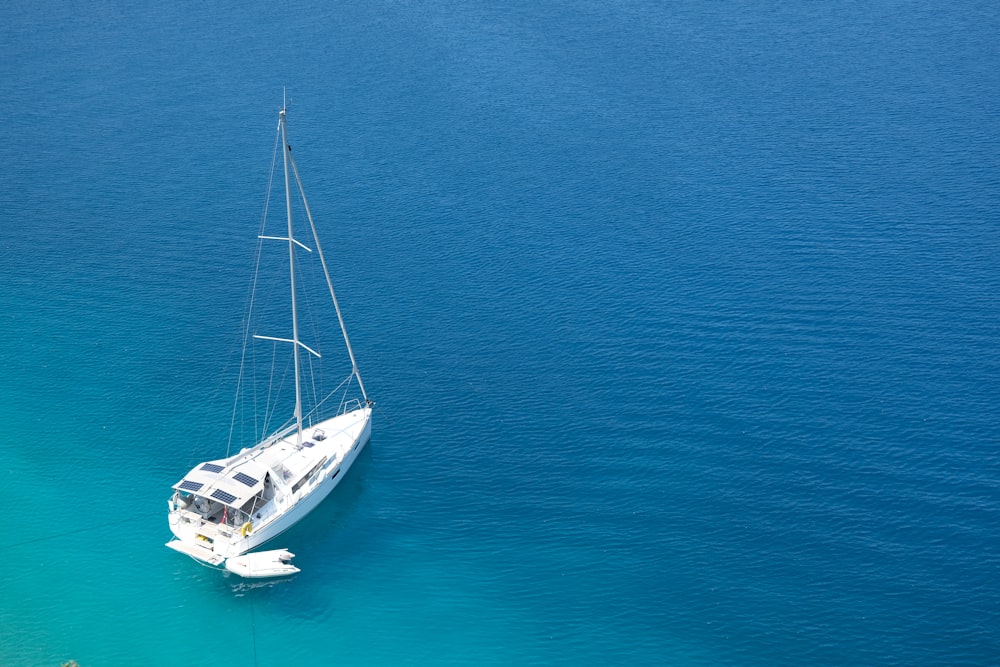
x=241, y=587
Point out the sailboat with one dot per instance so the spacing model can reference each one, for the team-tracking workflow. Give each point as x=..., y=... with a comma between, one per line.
x=224, y=508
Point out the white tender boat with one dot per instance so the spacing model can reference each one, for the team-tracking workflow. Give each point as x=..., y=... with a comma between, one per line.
x=227, y=507
x=263, y=564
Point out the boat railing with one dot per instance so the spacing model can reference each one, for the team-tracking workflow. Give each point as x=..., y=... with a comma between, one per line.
x=248, y=452
x=350, y=406
x=276, y=436
x=346, y=405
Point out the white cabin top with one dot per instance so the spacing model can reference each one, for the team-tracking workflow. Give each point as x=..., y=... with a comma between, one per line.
x=231, y=485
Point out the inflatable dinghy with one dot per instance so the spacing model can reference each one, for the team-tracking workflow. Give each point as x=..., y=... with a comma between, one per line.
x=263, y=564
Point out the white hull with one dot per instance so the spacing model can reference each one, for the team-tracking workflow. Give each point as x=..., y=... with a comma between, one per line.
x=328, y=481
x=212, y=541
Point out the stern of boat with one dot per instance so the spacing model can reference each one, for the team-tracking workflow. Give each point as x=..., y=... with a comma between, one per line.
x=204, y=540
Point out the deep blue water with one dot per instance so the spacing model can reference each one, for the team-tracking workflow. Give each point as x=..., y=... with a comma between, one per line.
x=682, y=319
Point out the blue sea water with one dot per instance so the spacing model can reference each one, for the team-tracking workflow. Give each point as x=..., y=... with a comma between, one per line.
x=682, y=319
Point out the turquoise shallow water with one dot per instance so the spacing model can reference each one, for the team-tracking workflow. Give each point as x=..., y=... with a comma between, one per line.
x=682, y=321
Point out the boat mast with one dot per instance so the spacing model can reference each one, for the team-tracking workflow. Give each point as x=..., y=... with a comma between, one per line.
x=291, y=269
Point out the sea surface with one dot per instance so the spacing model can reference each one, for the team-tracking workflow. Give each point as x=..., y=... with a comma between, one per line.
x=682, y=319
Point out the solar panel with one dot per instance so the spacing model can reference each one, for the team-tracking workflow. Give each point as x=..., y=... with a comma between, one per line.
x=245, y=479
x=219, y=494
x=212, y=467
x=188, y=485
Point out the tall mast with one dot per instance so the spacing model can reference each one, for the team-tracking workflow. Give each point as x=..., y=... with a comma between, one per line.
x=291, y=269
